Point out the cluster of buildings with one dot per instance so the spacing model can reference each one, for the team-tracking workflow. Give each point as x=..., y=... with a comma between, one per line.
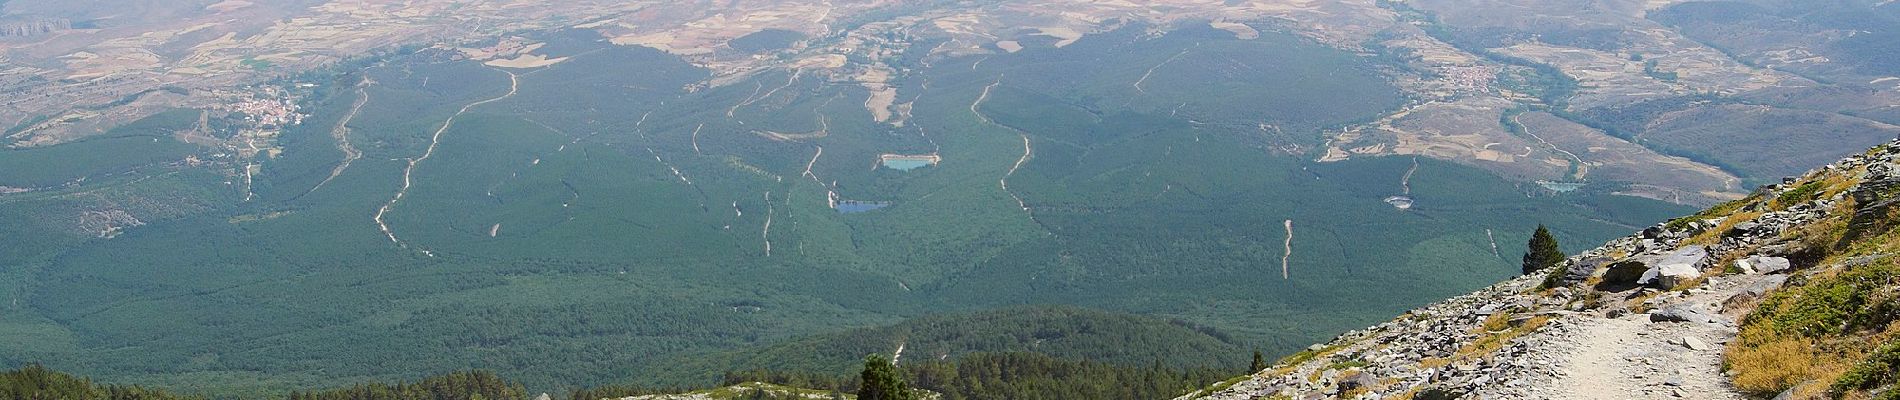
x=1470, y=78
x=267, y=107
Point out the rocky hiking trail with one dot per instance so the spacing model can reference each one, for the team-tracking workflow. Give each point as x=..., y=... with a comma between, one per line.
x=1636, y=356
x=1646, y=316
x=1673, y=351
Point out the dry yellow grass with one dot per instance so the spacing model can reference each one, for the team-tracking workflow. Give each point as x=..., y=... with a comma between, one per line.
x=1490, y=343
x=1405, y=395
x=1495, y=323
x=1712, y=235
x=1640, y=304
x=1775, y=365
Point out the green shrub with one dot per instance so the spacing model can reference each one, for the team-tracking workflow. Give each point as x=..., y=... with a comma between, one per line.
x=1853, y=301
x=1800, y=194
x=1878, y=369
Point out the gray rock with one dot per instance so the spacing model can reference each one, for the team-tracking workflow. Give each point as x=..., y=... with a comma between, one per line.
x=1694, y=344
x=1615, y=309
x=1758, y=264
x=1673, y=269
x=1681, y=313
x=1625, y=272
x=1754, y=291
x=1581, y=270
x=1789, y=394
x=1785, y=248
x=1358, y=380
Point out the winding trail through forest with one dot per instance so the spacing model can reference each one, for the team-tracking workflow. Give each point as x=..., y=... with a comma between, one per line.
x=1494, y=243
x=814, y=162
x=1163, y=63
x=831, y=195
x=766, y=234
x=756, y=88
x=408, y=173
x=984, y=97
x=756, y=97
x=682, y=177
x=1151, y=70
x=1027, y=150
x=248, y=166
x=342, y=135
x=696, y=129
x=1288, y=255
x=1405, y=183
x=1582, y=169
x=1012, y=172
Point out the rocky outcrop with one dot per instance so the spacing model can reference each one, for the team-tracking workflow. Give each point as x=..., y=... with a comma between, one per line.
x=1643, y=316
x=1760, y=264
x=1667, y=271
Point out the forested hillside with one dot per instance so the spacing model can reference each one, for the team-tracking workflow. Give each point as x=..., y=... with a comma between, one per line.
x=573, y=224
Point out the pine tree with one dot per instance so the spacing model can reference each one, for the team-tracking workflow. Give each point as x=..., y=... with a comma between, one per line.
x=1543, y=252
x=881, y=381
x=1259, y=363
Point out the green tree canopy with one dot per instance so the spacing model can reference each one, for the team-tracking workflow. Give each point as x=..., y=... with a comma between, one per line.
x=1543, y=252
x=881, y=381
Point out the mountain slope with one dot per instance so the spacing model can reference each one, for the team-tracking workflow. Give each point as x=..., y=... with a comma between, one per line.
x=1649, y=315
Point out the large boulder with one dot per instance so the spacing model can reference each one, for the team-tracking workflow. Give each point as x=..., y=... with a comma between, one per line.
x=1754, y=291
x=1666, y=271
x=1682, y=313
x=1581, y=270
x=1759, y=264
x=1625, y=272
x=1357, y=380
x=1874, y=200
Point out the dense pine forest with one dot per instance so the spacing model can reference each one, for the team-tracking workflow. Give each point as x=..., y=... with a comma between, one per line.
x=1015, y=376
x=977, y=376
x=35, y=382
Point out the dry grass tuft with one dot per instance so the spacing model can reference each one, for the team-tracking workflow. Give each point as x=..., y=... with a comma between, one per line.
x=1775, y=365
x=1713, y=235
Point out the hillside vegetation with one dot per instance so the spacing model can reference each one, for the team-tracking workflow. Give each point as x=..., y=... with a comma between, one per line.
x=574, y=225
x=1791, y=292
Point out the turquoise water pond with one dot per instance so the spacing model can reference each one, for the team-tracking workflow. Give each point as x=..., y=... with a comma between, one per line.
x=849, y=207
x=905, y=164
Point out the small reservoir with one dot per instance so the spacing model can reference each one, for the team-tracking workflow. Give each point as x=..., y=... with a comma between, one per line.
x=1561, y=187
x=851, y=207
x=906, y=162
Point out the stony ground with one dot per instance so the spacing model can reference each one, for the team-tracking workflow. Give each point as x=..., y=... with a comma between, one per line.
x=1631, y=357
x=1642, y=317
x=1575, y=355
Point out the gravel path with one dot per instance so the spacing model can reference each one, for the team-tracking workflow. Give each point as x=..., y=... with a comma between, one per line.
x=1630, y=357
